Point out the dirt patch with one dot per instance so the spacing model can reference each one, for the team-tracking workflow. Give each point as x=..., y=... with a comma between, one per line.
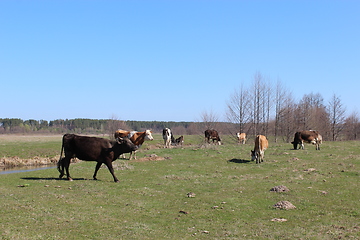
x=151, y=157
x=284, y=205
x=156, y=146
x=280, y=188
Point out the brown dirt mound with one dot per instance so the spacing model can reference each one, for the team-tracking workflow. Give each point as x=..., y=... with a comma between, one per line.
x=280, y=188
x=284, y=205
x=151, y=157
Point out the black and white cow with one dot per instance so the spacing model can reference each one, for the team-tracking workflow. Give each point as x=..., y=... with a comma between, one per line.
x=168, y=137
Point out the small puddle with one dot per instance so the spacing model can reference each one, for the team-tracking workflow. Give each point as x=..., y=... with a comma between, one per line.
x=25, y=169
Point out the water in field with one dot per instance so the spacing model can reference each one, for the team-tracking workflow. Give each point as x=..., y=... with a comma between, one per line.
x=24, y=169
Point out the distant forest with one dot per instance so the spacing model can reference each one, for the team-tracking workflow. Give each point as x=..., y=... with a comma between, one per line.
x=94, y=126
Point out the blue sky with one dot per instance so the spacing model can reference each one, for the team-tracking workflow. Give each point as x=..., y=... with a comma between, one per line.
x=170, y=60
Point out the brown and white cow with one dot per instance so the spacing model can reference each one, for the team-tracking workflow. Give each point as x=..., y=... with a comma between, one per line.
x=261, y=144
x=241, y=137
x=308, y=136
x=212, y=134
x=137, y=138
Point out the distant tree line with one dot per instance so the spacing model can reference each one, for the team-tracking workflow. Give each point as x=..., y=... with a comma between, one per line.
x=92, y=126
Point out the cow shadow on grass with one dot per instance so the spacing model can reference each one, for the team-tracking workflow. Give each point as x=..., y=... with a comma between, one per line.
x=235, y=160
x=52, y=178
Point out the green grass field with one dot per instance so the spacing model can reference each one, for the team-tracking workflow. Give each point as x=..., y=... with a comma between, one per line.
x=232, y=198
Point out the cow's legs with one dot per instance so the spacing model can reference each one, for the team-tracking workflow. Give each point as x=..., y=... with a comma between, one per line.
x=111, y=169
x=61, y=167
x=257, y=157
x=131, y=154
x=66, y=164
x=97, y=167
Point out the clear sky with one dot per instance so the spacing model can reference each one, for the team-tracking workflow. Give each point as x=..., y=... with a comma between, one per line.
x=170, y=60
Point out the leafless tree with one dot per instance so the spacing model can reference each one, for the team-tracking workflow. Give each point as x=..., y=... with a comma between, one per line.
x=312, y=114
x=336, y=113
x=284, y=112
x=210, y=119
x=260, y=107
x=238, y=108
x=352, y=126
x=115, y=124
x=267, y=106
x=287, y=118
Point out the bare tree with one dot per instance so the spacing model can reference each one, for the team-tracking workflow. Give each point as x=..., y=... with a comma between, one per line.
x=312, y=113
x=287, y=118
x=336, y=112
x=238, y=109
x=352, y=126
x=210, y=119
x=255, y=104
x=284, y=112
x=267, y=107
x=114, y=124
x=261, y=104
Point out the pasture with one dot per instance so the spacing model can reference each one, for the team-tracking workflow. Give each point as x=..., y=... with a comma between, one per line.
x=232, y=198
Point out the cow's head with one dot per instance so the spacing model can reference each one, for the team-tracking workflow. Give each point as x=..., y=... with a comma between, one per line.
x=127, y=144
x=148, y=135
x=254, y=155
x=295, y=144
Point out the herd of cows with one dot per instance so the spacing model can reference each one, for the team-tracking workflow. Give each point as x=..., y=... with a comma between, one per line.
x=105, y=151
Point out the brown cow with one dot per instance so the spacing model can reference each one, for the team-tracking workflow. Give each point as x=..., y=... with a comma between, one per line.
x=212, y=134
x=241, y=137
x=137, y=138
x=92, y=149
x=261, y=144
x=309, y=136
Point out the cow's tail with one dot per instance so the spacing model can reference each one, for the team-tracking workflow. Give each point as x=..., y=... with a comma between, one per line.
x=60, y=162
x=259, y=142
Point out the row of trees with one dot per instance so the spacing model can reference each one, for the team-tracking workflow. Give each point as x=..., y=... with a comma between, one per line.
x=90, y=126
x=271, y=110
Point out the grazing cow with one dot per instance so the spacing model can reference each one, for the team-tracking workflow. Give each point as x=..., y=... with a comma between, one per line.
x=261, y=144
x=309, y=136
x=137, y=138
x=241, y=137
x=212, y=134
x=92, y=149
x=179, y=140
x=168, y=137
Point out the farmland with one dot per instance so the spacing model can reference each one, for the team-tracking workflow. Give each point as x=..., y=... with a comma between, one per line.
x=231, y=195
